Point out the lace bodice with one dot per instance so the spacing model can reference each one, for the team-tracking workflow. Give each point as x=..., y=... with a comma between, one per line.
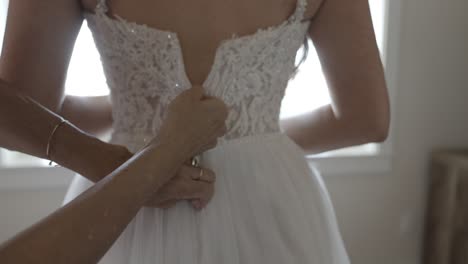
x=144, y=69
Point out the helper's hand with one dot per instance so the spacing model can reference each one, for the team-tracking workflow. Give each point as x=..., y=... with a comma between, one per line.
x=190, y=183
x=110, y=157
x=194, y=121
x=197, y=121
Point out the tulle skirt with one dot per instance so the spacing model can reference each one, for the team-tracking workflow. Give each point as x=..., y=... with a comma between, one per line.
x=269, y=207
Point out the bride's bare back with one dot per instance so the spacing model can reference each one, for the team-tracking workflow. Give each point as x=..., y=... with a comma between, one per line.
x=202, y=25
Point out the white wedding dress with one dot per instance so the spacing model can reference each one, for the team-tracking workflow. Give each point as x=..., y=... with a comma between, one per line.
x=269, y=206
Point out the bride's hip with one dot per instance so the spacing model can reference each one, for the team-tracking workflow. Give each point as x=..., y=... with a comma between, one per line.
x=255, y=148
x=258, y=142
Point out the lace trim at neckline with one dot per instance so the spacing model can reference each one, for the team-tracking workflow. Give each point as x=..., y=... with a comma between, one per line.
x=101, y=9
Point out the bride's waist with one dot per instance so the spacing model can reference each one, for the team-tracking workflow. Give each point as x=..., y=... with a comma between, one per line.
x=135, y=141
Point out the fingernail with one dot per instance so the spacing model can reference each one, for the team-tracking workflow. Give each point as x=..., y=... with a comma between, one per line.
x=197, y=204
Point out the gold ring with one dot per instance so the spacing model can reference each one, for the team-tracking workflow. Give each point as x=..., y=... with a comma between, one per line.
x=195, y=162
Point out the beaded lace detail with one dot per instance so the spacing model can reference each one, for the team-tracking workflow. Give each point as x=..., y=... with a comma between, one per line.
x=145, y=71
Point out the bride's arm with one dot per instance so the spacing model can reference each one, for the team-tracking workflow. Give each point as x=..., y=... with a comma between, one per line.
x=38, y=43
x=343, y=35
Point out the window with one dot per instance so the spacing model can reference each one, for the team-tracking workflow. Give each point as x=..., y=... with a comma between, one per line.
x=300, y=97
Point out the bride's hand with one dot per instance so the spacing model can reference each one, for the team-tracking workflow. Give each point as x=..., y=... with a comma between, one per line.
x=186, y=185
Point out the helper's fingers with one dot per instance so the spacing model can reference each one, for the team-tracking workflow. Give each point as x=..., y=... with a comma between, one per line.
x=223, y=130
x=195, y=190
x=202, y=174
x=197, y=92
x=166, y=205
x=196, y=203
x=209, y=146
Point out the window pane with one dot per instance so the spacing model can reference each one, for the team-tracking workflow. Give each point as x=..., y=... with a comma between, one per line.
x=18, y=159
x=85, y=61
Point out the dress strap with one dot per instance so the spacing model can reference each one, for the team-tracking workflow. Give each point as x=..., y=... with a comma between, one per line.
x=301, y=7
x=101, y=7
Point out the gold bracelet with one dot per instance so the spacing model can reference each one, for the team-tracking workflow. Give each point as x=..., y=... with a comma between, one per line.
x=51, y=137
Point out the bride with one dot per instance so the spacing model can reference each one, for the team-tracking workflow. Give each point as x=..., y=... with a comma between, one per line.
x=267, y=206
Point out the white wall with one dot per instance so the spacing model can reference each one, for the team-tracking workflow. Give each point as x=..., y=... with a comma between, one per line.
x=19, y=209
x=381, y=215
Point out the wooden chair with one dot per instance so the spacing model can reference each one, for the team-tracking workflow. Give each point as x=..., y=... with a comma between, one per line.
x=446, y=236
